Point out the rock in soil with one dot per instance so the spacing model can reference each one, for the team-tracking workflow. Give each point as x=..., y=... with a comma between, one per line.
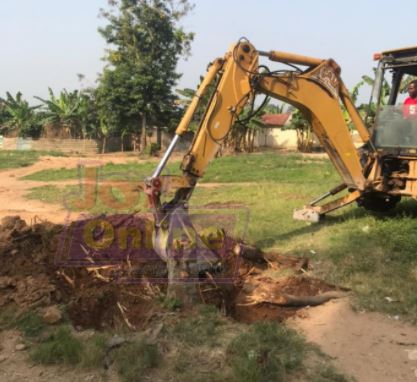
x=52, y=315
x=20, y=347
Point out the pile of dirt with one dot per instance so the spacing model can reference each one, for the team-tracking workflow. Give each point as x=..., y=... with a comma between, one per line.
x=127, y=290
x=32, y=276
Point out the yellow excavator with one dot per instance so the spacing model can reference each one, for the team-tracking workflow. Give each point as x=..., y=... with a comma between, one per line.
x=376, y=175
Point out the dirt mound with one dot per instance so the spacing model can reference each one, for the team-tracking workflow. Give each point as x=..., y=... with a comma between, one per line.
x=127, y=290
x=30, y=278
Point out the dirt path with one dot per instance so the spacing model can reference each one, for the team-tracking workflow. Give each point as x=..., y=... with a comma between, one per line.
x=369, y=346
x=13, y=190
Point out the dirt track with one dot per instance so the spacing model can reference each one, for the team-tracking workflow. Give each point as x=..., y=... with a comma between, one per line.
x=369, y=346
x=13, y=190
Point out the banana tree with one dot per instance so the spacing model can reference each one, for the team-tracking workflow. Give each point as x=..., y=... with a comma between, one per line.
x=20, y=116
x=405, y=81
x=303, y=129
x=64, y=111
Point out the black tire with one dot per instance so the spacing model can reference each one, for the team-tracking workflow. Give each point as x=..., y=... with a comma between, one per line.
x=378, y=202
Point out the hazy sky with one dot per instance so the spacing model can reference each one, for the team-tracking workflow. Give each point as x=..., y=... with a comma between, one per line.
x=47, y=42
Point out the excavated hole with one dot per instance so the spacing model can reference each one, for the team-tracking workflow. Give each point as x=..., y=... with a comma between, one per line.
x=248, y=288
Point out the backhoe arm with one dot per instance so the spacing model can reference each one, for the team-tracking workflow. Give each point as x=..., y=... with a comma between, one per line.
x=317, y=91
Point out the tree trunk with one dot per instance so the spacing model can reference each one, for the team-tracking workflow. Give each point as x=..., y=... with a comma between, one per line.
x=159, y=137
x=134, y=140
x=143, y=133
x=103, y=148
x=252, y=141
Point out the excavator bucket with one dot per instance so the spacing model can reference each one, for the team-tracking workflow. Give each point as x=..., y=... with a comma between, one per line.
x=175, y=238
x=306, y=214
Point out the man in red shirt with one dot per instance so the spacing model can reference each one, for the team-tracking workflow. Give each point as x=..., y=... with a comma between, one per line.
x=410, y=104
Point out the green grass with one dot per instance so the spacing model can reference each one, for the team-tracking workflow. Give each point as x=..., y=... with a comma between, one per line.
x=22, y=158
x=30, y=324
x=266, y=352
x=268, y=166
x=72, y=197
x=94, y=352
x=204, y=347
x=374, y=255
x=48, y=194
x=223, y=350
x=135, y=359
x=136, y=171
x=60, y=347
x=202, y=329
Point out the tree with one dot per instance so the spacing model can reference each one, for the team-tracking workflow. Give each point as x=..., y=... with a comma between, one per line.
x=145, y=43
x=19, y=115
x=369, y=110
x=245, y=129
x=405, y=82
x=89, y=122
x=70, y=111
x=304, y=131
x=186, y=96
x=243, y=132
x=4, y=115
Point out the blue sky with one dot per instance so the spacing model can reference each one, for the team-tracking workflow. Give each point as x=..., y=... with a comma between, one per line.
x=47, y=42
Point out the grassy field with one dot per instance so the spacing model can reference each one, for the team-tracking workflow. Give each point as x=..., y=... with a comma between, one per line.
x=22, y=158
x=373, y=255
x=267, y=167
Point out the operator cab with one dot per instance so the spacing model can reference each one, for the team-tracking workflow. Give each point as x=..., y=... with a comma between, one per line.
x=395, y=128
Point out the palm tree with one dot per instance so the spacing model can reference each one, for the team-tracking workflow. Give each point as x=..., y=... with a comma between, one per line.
x=19, y=115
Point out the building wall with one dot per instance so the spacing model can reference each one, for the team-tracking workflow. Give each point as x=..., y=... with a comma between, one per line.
x=276, y=138
x=74, y=146
x=267, y=137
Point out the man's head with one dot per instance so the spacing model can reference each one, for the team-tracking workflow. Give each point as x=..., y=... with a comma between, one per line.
x=412, y=89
